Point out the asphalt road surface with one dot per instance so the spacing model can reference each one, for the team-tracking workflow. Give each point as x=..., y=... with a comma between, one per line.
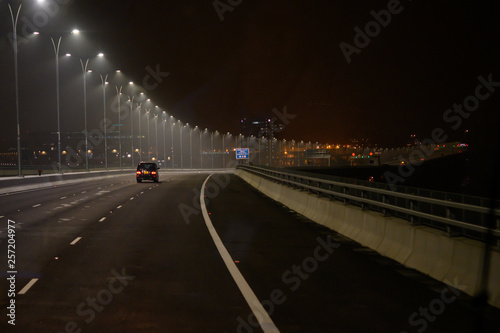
x=118, y=256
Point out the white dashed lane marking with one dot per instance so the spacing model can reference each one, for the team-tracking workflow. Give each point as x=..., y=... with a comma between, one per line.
x=27, y=287
x=37, y=205
x=102, y=219
x=76, y=240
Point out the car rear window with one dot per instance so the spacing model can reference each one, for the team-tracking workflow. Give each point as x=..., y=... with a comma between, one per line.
x=147, y=167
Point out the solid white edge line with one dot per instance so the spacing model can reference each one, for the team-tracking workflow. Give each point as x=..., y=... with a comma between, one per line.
x=76, y=240
x=260, y=313
x=27, y=287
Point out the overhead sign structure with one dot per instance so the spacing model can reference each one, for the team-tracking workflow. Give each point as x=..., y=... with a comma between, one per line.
x=242, y=153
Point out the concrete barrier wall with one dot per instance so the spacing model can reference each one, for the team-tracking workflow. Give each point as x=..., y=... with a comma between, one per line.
x=456, y=261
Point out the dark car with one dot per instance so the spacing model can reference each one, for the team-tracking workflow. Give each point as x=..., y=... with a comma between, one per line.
x=147, y=171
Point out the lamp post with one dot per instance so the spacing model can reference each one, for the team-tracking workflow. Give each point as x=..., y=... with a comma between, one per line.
x=147, y=115
x=84, y=72
x=224, y=150
x=84, y=65
x=14, y=18
x=180, y=137
x=156, y=136
x=172, y=137
x=56, y=44
x=104, y=83
x=199, y=130
x=131, y=101
x=212, y=148
x=139, y=106
x=56, y=53
x=119, y=95
x=201, y=148
x=164, y=139
x=190, y=147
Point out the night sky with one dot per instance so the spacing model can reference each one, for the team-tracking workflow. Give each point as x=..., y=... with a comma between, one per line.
x=264, y=55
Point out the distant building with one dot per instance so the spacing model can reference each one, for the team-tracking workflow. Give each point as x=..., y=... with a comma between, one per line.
x=260, y=127
x=264, y=129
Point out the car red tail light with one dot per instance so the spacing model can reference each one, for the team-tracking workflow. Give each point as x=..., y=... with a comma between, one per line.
x=153, y=172
x=138, y=172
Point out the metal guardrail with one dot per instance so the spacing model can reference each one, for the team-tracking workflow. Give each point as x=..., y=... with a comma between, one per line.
x=456, y=218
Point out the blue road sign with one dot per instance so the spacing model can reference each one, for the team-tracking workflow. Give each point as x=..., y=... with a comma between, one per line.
x=242, y=153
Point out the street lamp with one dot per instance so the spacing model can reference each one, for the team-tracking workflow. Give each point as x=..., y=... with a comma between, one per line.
x=164, y=140
x=14, y=19
x=84, y=65
x=119, y=95
x=104, y=81
x=156, y=135
x=212, y=148
x=201, y=148
x=139, y=106
x=172, y=137
x=180, y=133
x=56, y=53
x=56, y=44
x=84, y=71
x=131, y=101
x=147, y=115
x=198, y=129
x=190, y=146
